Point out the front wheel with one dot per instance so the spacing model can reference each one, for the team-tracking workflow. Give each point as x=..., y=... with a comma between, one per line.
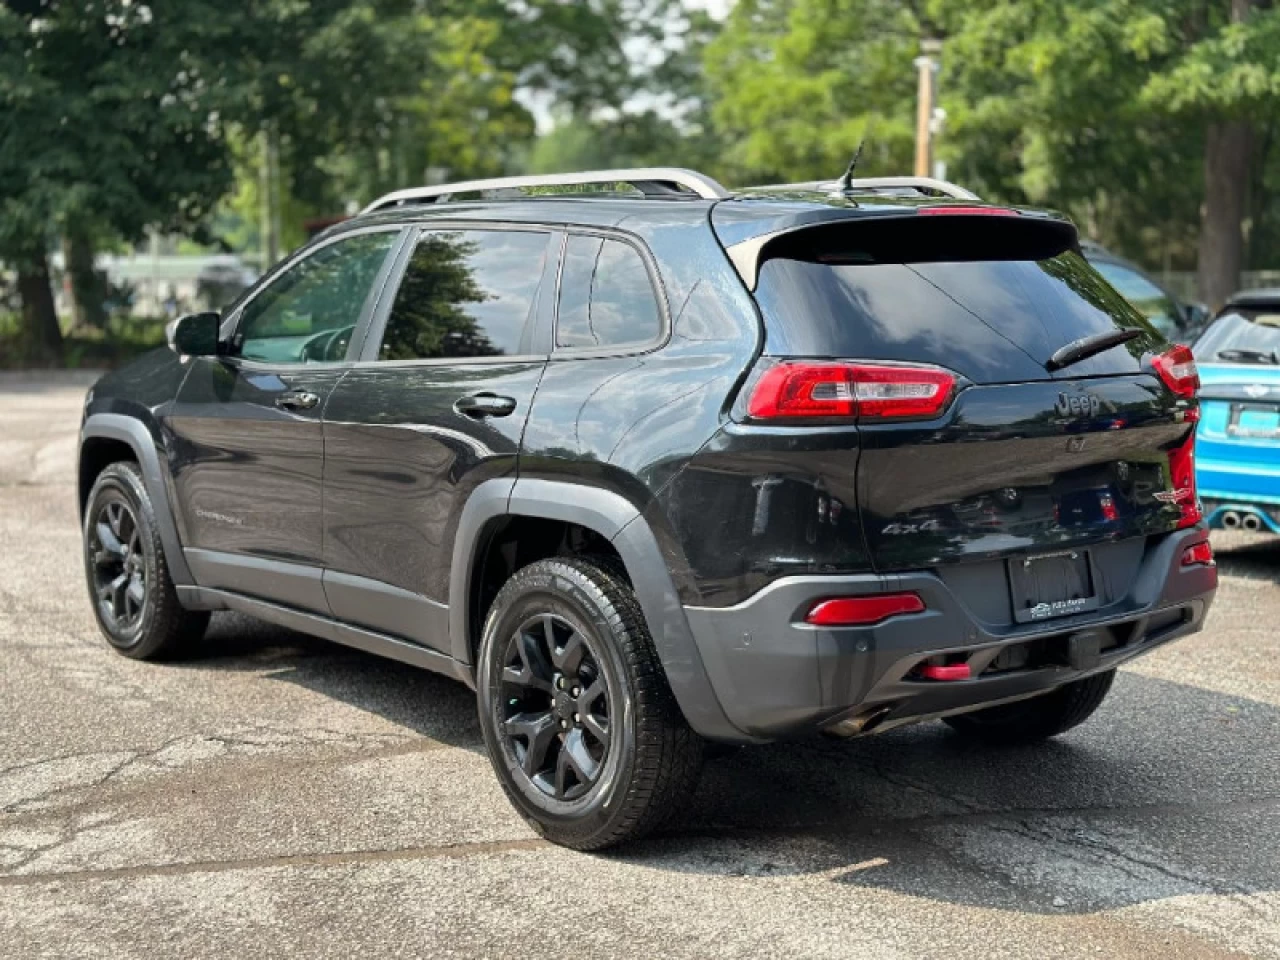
x=133, y=597
x=1038, y=718
x=578, y=719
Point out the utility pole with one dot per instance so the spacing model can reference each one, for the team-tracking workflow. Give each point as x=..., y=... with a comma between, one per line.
x=927, y=66
x=269, y=199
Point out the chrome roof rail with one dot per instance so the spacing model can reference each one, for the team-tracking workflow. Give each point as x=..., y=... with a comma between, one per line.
x=922, y=184
x=651, y=181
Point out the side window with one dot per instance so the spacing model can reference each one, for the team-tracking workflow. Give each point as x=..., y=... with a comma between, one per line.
x=606, y=298
x=307, y=314
x=467, y=293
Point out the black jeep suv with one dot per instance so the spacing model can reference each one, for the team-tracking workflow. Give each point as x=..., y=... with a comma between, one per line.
x=649, y=464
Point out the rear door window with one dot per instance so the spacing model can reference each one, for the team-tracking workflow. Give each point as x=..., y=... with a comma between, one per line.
x=606, y=296
x=466, y=293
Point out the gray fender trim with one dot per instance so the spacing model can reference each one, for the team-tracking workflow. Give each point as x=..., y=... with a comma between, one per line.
x=114, y=426
x=616, y=519
x=487, y=501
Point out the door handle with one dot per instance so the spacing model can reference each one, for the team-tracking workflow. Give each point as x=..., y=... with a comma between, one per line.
x=297, y=400
x=486, y=405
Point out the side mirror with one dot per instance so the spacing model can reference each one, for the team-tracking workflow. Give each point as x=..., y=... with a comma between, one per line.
x=195, y=335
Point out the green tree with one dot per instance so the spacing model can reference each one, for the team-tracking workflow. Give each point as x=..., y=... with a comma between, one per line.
x=1141, y=117
x=105, y=122
x=798, y=84
x=117, y=116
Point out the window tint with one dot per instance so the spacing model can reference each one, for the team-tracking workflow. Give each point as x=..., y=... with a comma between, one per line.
x=307, y=313
x=466, y=294
x=1154, y=303
x=994, y=321
x=606, y=298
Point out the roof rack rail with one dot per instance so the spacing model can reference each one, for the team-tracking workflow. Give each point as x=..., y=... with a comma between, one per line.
x=922, y=184
x=651, y=181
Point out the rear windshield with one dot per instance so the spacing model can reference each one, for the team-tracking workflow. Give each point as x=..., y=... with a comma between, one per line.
x=994, y=311
x=1242, y=336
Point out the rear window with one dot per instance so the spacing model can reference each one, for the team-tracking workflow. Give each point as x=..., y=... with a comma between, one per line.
x=1242, y=336
x=992, y=302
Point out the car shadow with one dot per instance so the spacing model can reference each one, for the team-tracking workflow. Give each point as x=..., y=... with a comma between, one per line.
x=1170, y=790
x=1252, y=555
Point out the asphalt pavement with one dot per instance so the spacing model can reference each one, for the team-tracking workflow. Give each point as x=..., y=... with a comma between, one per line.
x=278, y=796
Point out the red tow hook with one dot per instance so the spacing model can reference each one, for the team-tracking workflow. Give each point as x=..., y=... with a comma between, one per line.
x=951, y=671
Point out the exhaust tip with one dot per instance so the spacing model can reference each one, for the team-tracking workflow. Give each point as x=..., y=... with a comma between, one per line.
x=1231, y=519
x=861, y=724
x=1251, y=521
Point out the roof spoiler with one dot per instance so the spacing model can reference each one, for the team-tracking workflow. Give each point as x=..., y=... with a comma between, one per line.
x=1011, y=234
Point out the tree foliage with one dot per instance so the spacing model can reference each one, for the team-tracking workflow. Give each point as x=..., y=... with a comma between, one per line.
x=798, y=84
x=1105, y=108
x=119, y=116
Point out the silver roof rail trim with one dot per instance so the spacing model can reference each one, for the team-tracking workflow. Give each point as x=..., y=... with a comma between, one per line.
x=657, y=181
x=878, y=183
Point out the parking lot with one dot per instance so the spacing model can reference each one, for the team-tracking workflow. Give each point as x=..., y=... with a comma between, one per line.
x=280, y=796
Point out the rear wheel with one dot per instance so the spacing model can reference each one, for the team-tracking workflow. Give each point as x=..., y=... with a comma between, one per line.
x=1040, y=717
x=133, y=597
x=578, y=719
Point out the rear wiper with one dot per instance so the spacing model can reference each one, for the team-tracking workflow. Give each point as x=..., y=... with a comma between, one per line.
x=1087, y=347
x=1247, y=356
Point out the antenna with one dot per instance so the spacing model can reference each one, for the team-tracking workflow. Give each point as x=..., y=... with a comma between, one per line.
x=845, y=184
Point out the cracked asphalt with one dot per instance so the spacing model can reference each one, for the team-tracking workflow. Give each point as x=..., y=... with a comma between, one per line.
x=276, y=796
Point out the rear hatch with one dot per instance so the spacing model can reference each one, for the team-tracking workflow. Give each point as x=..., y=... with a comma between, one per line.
x=1024, y=459
x=1238, y=446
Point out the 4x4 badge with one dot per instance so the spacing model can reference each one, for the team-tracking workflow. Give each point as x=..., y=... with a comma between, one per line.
x=1072, y=405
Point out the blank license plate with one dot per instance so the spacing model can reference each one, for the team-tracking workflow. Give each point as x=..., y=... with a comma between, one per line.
x=1052, y=585
x=1254, y=420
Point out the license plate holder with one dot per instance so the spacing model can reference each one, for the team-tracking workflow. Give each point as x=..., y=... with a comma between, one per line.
x=1258, y=420
x=1052, y=585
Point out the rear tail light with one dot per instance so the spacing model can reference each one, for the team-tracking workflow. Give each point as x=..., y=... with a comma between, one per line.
x=1177, y=368
x=1108, y=505
x=867, y=391
x=1198, y=554
x=1182, y=477
x=862, y=611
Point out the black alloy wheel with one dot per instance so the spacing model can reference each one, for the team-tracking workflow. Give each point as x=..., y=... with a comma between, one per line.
x=118, y=562
x=579, y=722
x=134, y=598
x=555, y=706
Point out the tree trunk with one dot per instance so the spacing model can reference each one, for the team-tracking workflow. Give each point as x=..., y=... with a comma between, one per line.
x=88, y=293
x=1228, y=154
x=1227, y=151
x=39, y=318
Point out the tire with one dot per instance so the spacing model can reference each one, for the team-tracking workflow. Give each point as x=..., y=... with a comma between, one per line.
x=572, y=620
x=1038, y=718
x=133, y=597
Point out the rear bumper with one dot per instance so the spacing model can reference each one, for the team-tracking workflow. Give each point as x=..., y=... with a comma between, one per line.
x=776, y=676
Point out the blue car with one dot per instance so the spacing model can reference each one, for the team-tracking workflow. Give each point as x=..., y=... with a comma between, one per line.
x=1238, y=441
